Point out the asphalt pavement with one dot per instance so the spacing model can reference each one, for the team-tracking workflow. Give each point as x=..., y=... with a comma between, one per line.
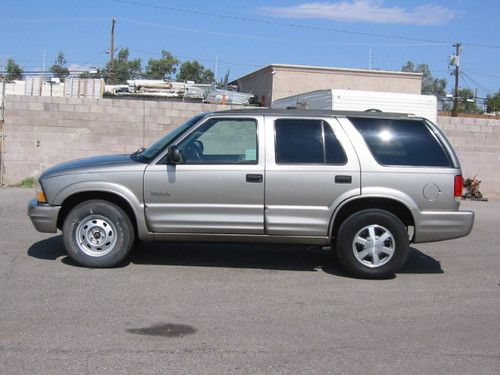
x=249, y=309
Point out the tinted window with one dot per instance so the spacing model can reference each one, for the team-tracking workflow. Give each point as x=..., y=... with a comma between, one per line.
x=334, y=152
x=221, y=141
x=402, y=142
x=307, y=142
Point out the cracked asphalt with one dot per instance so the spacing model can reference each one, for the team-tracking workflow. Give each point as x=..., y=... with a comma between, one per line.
x=227, y=309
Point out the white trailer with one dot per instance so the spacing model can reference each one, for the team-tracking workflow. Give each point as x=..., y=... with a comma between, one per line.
x=355, y=100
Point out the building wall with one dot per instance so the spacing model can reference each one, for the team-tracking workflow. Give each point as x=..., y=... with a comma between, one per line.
x=277, y=81
x=288, y=82
x=477, y=144
x=261, y=85
x=43, y=131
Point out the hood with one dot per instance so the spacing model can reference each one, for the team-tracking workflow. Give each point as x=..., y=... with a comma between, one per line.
x=104, y=163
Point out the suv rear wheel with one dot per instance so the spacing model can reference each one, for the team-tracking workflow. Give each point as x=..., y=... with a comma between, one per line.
x=97, y=233
x=372, y=243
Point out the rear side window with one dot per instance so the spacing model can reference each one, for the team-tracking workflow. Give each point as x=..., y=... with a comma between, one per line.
x=301, y=141
x=402, y=142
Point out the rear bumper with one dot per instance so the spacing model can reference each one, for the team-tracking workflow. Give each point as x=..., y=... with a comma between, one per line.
x=438, y=226
x=43, y=216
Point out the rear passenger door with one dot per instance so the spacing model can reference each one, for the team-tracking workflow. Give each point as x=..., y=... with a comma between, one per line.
x=311, y=167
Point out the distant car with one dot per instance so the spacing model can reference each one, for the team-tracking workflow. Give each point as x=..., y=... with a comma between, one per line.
x=369, y=183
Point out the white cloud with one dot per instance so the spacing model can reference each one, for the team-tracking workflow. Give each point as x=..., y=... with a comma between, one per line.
x=373, y=11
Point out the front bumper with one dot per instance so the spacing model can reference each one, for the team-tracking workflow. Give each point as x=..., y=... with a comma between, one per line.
x=43, y=216
x=439, y=226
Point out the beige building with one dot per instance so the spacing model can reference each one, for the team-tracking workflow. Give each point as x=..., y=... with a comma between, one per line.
x=277, y=81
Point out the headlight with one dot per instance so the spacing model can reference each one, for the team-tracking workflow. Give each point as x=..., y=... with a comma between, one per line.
x=40, y=195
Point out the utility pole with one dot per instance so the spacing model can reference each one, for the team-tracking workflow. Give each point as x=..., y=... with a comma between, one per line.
x=456, y=62
x=112, y=50
x=216, y=67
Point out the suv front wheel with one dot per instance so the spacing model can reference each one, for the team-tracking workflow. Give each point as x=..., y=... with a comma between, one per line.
x=372, y=244
x=98, y=233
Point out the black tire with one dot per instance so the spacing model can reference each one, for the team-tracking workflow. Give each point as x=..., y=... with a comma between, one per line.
x=98, y=233
x=360, y=225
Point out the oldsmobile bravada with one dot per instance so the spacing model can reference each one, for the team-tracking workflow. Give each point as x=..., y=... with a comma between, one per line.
x=369, y=184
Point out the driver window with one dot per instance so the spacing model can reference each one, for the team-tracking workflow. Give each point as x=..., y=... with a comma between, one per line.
x=221, y=141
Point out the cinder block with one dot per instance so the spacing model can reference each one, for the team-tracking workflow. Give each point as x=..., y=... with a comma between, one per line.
x=66, y=107
x=35, y=106
x=172, y=113
x=111, y=110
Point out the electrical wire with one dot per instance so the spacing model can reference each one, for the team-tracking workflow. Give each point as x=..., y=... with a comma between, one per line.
x=96, y=56
x=299, y=26
x=483, y=88
x=198, y=58
x=277, y=40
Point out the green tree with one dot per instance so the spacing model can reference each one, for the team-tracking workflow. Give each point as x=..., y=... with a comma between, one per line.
x=59, y=68
x=493, y=102
x=467, y=102
x=122, y=69
x=194, y=71
x=14, y=71
x=430, y=85
x=161, y=68
x=223, y=83
x=99, y=74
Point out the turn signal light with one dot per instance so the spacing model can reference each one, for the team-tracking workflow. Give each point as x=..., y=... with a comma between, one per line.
x=40, y=197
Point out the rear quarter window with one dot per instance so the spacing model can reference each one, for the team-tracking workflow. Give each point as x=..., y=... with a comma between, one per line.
x=402, y=142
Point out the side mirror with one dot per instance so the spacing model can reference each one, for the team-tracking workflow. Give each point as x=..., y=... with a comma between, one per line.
x=174, y=155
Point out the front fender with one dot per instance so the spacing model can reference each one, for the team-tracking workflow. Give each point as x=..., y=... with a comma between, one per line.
x=134, y=199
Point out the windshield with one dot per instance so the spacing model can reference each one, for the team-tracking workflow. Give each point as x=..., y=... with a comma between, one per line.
x=150, y=152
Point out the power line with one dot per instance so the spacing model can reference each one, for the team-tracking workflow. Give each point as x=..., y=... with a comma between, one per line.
x=485, y=74
x=297, y=26
x=95, y=57
x=476, y=83
x=45, y=20
x=198, y=58
x=263, y=38
x=293, y=41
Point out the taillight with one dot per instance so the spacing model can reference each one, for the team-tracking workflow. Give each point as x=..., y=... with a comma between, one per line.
x=458, y=185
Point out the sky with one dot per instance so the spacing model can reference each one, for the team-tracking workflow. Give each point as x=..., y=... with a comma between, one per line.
x=242, y=36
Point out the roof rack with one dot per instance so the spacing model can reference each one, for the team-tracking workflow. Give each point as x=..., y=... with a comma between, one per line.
x=314, y=112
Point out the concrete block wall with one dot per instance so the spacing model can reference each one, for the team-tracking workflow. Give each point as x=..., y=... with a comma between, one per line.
x=43, y=131
x=477, y=144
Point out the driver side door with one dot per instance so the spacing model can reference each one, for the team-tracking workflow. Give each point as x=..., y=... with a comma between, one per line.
x=218, y=187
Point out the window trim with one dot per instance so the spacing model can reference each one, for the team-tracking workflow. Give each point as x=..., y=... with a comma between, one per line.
x=239, y=162
x=323, y=123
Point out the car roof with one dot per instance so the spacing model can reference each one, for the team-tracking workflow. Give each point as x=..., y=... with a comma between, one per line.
x=311, y=112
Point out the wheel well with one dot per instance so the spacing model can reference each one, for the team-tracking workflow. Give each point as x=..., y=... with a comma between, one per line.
x=395, y=207
x=75, y=199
